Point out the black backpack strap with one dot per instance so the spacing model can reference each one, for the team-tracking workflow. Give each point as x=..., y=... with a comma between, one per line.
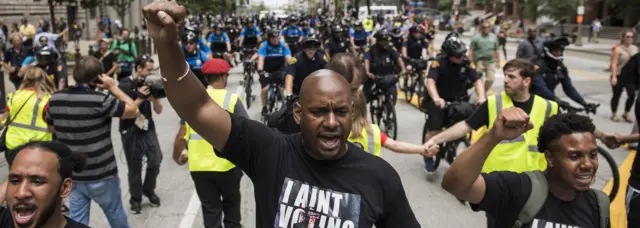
x=603, y=206
x=537, y=198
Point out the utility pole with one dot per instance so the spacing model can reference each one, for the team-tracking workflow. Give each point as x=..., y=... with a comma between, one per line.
x=579, y=20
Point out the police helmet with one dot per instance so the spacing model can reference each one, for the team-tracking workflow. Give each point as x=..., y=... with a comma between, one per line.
x=413, y=29
x=45, y=55
x=190, y=37
x=304, y=23
x=383, y=35
x=293, y=18
x=555, y=44
x=311, y=41
x=273, y=33
x=454, y=47
x=396, y=32
x=337, y=28
x=357, y=24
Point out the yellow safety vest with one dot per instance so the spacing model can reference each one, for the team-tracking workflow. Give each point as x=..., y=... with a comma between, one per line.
x=28, y=123
x=367, y=24
x=371, y=143
x=201, y=155
x=520, y=154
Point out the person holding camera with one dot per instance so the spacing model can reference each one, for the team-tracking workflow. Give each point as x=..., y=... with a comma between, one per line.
x=139, y=136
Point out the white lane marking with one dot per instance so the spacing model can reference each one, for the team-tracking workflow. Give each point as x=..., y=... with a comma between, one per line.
x=191, y=212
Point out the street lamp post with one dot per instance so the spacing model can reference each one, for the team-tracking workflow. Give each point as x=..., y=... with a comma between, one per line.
x=579, y=23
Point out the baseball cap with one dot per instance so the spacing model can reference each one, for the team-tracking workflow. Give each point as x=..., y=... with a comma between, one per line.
x=215, y=66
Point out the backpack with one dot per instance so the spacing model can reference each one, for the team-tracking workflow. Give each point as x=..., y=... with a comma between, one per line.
x=539, y=193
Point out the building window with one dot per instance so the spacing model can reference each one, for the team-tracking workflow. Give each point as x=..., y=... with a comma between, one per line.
x=92, y=13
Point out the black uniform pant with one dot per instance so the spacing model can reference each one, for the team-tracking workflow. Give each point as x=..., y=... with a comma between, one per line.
x=219, y=192
x=138, y=144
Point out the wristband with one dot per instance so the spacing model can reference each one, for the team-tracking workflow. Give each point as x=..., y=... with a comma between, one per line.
x=179, y=78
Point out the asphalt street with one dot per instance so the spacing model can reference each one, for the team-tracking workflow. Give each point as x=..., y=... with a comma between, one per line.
x=431, y=204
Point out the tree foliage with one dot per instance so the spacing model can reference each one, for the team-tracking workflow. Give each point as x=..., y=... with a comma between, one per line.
x=204, y=6
x=120, y=6
x=625, y=10
x=556, y=9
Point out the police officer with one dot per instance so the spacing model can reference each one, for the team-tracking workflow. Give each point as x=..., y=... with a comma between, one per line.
x=304, y=63
x=380, y=61
x=359, y=37
x=195, y=57
x=273, y=55
x=306, y=30
x=414, y=44
x=337, y=43
x=219, y=42
x=217, y=181
x=552, y=71
x=292, y=34
x=250, y=36
x=202, y=45
x=451, y=75
x=45, y=58
x=397, y=38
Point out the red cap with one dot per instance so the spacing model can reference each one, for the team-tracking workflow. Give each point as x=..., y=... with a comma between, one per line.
x=215, y=66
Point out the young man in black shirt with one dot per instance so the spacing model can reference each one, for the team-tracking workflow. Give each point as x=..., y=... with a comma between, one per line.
x=39, y=179
x=109, y=59
x=569, y=145
x=309, y=179
x=139, y=138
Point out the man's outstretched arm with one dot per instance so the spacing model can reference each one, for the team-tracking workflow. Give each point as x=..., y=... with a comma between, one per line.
x=196, y=107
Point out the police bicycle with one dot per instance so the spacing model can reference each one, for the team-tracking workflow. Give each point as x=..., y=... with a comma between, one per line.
x=413, y=82
x=613, y=167
x=275, y=96
x=454, y=112
x=249, y=69
x=382, y=105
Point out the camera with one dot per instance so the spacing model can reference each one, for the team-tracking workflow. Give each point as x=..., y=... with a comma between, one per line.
x=156, y=88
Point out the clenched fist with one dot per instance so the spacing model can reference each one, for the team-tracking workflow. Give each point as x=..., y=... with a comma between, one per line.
x=511, y=123
x=163, y=19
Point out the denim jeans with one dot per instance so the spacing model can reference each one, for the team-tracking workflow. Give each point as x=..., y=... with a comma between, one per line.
x=106, y=193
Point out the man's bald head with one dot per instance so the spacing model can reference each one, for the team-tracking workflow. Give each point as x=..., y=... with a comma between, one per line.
x=321, y=80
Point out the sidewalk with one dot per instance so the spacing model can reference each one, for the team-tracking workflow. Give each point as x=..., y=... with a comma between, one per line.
x=602, y=48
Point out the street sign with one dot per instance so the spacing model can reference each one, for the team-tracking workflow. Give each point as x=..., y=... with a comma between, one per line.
x=580, y=10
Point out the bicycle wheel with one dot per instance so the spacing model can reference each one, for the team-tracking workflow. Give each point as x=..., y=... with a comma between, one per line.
x=455, y=149
x=410, y=88
x=438, y=157
x=389, y=119
x=614, y=172
x=247, y=90
x=374, y=110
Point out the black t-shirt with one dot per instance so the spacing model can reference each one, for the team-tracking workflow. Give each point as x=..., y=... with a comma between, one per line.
x=300, y=67
x=129, y=87
x=481, y=116
x=452, y=80
x=414, y=46
x=6, y=220
x=107, y=61
x=507, y=193
x=291, y=187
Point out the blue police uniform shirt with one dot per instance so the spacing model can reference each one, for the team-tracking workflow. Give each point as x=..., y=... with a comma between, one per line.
x=202, y=46
x=222, y=38
x=253, y=32
x=359, y=35
x=197, y=60
x=267, y=50
x=292, y=31
x=308, y=32
x=28, y=60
